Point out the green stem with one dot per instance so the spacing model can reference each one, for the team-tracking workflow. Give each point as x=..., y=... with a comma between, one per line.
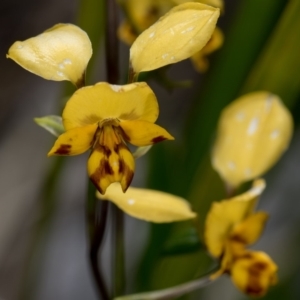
x=112, y=70
x=118, y=251
x=96, y=220
x=172, y=292
x=111, y=42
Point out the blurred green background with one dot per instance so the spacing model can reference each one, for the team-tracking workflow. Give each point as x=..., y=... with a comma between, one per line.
x=42, y=233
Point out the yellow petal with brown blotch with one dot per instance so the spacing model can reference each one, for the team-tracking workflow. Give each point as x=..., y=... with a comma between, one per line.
x=74, y=141
x=149, y=205
x=179, y=34
x=107, y=165
x=60, y=53
x=249, y=231
x=224, y=215
x=93, y=104
x=253, y=132
x=141, y=133
x=254, y=273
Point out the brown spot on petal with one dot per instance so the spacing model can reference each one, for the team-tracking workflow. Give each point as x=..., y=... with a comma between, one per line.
x=129, y=177
x=158, y=139
x=238, y=238
x=64, y=149
x=103, y=170
x=254, y=286
x=124, y=135
x=103, y=149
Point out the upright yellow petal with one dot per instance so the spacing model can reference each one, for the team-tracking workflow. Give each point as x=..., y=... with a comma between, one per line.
x=149, y=205
x=74, y=142
x=92, y=104
x=107, y=165
x=141, y=133
x=179, y=34
x=254, y=273
x=224, y=215
x=253, y=132
x=60, y=53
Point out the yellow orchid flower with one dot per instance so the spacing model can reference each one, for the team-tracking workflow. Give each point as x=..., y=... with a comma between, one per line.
x=232, y=225
x=149, y=205
x=253, y=132
x=104, y=117
x=143, y=14
x=60, y=53
x=179, y=34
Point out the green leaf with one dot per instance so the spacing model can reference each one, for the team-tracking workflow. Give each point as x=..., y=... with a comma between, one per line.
x=52, y=124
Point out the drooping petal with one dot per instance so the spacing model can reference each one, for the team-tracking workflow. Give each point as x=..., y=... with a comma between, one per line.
x=111, y=164
x=149, y=205
x=254, y=273
x=60, y=53
x=224, y=215
x=141, y=133
x=74, y=141
x=92, y=104
x=179, y=34
x=249, y=231
x=253, y=132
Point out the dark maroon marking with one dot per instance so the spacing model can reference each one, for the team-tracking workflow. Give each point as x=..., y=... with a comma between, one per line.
x=238, y=238
x=107, y=168
x=122, y=166
x=104, y=150
x=257, y=268
x=158, y=139
x=255, y=290
x=102, y=171
x=94, y=180
x=123, y=133
x=254, y=287
x=129, y=176
x=64, y=149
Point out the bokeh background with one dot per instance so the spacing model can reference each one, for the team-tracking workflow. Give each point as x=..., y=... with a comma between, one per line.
x=43, y=249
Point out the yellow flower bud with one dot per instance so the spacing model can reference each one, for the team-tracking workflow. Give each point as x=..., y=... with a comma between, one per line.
x=254, y=273
x=253, y=132
x=179, y=34
x=149, y=205
x=60, y=53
